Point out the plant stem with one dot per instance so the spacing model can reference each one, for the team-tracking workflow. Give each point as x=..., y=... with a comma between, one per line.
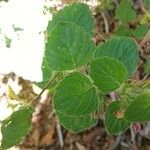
x=105, y=22
x=60, y=136
x=45, y=87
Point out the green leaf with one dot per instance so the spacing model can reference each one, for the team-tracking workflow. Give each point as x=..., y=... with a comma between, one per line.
x=105, y=5
x=77, y=13
x=16, y=127
x=147, y=66
x=107, y=73
x=123, y=49
x=51, y=87
x=46, y=70
x=147, y=4
x=76, y=96
x=139, y=109
x=124, y=12
x=124, y=30
x=68, y=47
x=47, y=74
x=54, y=80
x=76, y=124
x=140, y=31
x=145, y=19
x=11, y=93
x=41, y=84
x=114, y=119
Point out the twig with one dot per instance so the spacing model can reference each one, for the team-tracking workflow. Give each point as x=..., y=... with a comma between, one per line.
x=145, y=77
x=59, y=132
x=45, y=87
x=125, y=145
x=105, y=22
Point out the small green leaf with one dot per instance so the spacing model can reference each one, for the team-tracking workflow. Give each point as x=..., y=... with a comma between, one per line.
x=107, y=73
x=123, y=49
x=124, y=12
x=105, y=5
x=114, y=118
x=68, y=47
x=41, y=84
x=147, y=66
x=54, y=81
x=124, y=30
x=51, y=87
x=140, y=31
x=11, y=93
x=147, y=4
x=139, y=109
x=76, y=124
x=145, y=19
x=76, y=96
x=77, y=13
x=16, y=127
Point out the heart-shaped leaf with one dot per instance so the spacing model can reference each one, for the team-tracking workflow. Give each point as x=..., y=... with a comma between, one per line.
x=114, y=118
x=76, y=96
x=123, y=49
x=124, y=11
x=16, y=127
x=139, y=109
x=68, y=47
x=141, y=31
x=107, y=73
x=77, y=13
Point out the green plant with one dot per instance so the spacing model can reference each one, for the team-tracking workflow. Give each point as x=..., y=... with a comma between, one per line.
x=126, y=14
x=147, y=67
x=80, y=76
x=147, y=4
x=105, y=5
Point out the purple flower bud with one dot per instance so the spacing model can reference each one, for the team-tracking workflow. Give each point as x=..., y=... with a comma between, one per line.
x=112, y=95
x=136, y=127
